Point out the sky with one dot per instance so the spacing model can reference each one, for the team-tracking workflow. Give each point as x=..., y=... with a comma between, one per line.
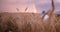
x=31, y=5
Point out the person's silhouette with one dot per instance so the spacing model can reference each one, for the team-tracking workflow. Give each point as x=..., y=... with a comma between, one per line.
x=43, y=11
x=17, y=9
x=45, y=17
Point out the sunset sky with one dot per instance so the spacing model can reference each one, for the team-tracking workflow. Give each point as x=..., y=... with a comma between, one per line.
x=38, y=5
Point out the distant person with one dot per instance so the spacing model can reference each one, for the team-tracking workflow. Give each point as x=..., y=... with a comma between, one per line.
x=17, y=9
x=43, y=12
x=45, y=16
x=26, y=8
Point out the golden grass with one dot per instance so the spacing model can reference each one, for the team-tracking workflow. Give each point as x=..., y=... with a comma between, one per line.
x=28, y=22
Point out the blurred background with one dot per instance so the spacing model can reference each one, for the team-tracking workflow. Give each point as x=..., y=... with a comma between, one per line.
x=34, y=6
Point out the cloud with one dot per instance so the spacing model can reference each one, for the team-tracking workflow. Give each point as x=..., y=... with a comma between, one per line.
x=11, y=2
x=58, y=1
x=28, y=2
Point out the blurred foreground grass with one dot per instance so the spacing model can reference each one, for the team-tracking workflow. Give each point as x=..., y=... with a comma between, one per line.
x=29, y=22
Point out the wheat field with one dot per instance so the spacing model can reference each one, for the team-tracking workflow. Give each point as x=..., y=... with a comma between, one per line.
x=28, y=22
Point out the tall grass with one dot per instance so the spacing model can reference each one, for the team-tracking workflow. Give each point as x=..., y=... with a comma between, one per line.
x=29, y=22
